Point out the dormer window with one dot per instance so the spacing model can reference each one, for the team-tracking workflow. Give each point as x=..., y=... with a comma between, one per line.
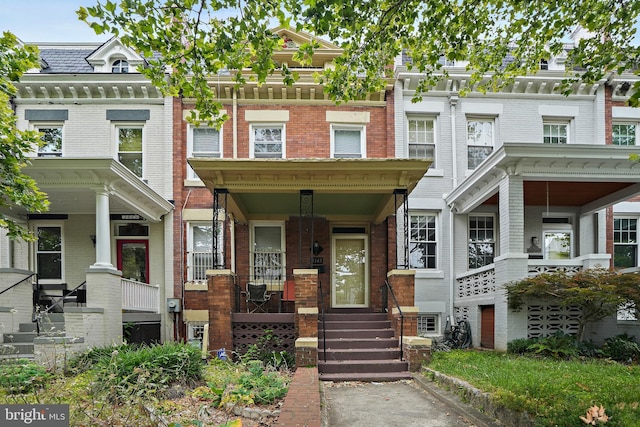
x=120, y=66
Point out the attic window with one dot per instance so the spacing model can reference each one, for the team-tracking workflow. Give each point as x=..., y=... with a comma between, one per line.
x=120, y=66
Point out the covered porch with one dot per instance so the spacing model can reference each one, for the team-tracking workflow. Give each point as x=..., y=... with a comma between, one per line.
x=541, y=208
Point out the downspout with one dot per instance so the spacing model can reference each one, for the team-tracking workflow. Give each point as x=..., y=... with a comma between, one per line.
x=453, y=101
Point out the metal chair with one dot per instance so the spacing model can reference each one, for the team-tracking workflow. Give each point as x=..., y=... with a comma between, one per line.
x=257, y=296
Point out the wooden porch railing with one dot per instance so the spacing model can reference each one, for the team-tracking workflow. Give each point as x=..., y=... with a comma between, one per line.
x=140, y=296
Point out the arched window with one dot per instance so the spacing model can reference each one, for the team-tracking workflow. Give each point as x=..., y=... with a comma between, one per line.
x=120, y=66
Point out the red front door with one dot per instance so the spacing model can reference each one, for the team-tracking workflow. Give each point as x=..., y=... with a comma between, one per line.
x=133, y=259
x=487, y=326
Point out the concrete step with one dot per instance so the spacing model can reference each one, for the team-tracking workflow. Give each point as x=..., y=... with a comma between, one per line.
x=354, y=343
x=357, y=324
x=361, y=354
x=362, y=366
x=16, y=348
x=361, y=317
x=19, y=337
x=356, y=333
x=366, y=376
x=53, y=317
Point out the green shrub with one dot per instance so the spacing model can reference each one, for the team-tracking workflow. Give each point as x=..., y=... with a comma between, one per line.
x=94, y=356
x=263, y=387
x=520, y=345
x=265, y=350
x=622, y=348
x=559, y=346
x=22, y=376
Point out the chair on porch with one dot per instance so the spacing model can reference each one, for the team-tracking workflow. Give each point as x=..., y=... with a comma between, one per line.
x=257, y=296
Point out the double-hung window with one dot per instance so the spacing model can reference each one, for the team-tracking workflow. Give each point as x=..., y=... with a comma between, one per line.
x=348, y=141
x=268, y=255
x=423, y=241
x=555, y=132
x=49, y=253
x=51, y=137
x=479, y=141
x=624, y=133
x=481, y=240
x=421, y=135
x=200, y=250
x=268, y=141
x=203, y=142
x=625, y=242
x=130, y=144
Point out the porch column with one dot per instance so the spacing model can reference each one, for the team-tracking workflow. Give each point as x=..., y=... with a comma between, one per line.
x=306, y=316
x=220, y=298
x=512, y=263
x=403, y=284
x=103, y=234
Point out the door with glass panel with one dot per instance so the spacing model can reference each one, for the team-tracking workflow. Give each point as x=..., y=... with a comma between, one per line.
x=133, y=260
x=350, y=271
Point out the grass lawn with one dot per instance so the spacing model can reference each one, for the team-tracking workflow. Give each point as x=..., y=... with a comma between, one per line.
x=556, y=392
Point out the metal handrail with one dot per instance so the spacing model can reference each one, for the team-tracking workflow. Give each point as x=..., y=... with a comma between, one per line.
x=37, y=318
x=17, y=283
x=324, y=326
x=387, y=287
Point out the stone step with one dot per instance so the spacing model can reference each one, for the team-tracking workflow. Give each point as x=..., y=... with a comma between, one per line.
x=19, y=337
x=351, y=324
x=16, y=348
x=354, y=343
x=356, y=333
x=366, y=376
x=361, y=354
x=362, y=366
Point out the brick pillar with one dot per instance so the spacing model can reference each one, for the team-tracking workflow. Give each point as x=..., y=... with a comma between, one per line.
x=220, y=298
x=403, y=284
x=306, y=316
x=416, y=351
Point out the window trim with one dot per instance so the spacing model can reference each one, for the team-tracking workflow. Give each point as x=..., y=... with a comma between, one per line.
x=130, y=125
x=435, y=242
x=636, y=244
x=47, y=224
x=475, y=118
x=191, y=174
x=122, y=66
x=271, y=125
x=557, y=122
x=427, y=118
x=273, y=284
x=50, y=125
x=190, y=246
x=436, y=328
x=636, y=140
x=494, y=241
x=363, y=138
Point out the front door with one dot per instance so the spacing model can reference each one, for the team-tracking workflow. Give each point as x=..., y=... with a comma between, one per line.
x=350, y=271
x=487, y=326
x=133, y=259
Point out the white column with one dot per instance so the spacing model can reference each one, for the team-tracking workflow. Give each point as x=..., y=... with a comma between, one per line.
x=103, y=234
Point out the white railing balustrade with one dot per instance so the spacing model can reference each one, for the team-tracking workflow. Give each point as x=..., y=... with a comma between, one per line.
x=197, y=265
x=140, y=296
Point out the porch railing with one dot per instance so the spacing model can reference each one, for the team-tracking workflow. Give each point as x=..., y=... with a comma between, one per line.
x=140, y=296
x=481, y=281
x=386, y=289
x=324, y=324
x=198, y=263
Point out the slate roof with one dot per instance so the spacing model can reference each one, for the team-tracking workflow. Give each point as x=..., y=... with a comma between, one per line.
x=63, y=61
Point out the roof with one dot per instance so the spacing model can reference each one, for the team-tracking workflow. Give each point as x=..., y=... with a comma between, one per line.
x=66, y=61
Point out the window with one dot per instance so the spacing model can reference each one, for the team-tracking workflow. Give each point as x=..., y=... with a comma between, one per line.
x=421, y=138
x=422, y=244
x=481, y=240
x=195, y=333
x=624, y=134
x=267, y=258
x=348, y=142
x=479, y=141
x=200, y=250
x=428, y=324
x=557, y=236
x=130, y=148
x=49, y=253
x=203, y=142
x=268, y=141
x=120, y=66
x=625, y=242
x=52, y=141
x=555, y=133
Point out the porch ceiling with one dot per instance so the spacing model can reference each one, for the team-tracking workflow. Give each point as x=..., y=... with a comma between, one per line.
x=71, y=186
x=343, y=188
x=589, y=176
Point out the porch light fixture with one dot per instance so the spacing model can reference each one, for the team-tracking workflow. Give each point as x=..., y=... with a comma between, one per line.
x=316, y=249
x=93, y=239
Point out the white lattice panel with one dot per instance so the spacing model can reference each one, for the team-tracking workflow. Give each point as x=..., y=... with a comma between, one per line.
x=543, y=320
x=534, y=270
x=462, y=313
x=476, y=284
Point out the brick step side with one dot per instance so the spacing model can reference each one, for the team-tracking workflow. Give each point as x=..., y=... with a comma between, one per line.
x=357, y=343
x=351, y=324
x=357, y=333
x=361, y=354
x=367, y=376
x=362, y=366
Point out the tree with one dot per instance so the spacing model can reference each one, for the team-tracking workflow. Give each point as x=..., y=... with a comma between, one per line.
x=200, y=38
x=16, y=188
x=599, y=293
